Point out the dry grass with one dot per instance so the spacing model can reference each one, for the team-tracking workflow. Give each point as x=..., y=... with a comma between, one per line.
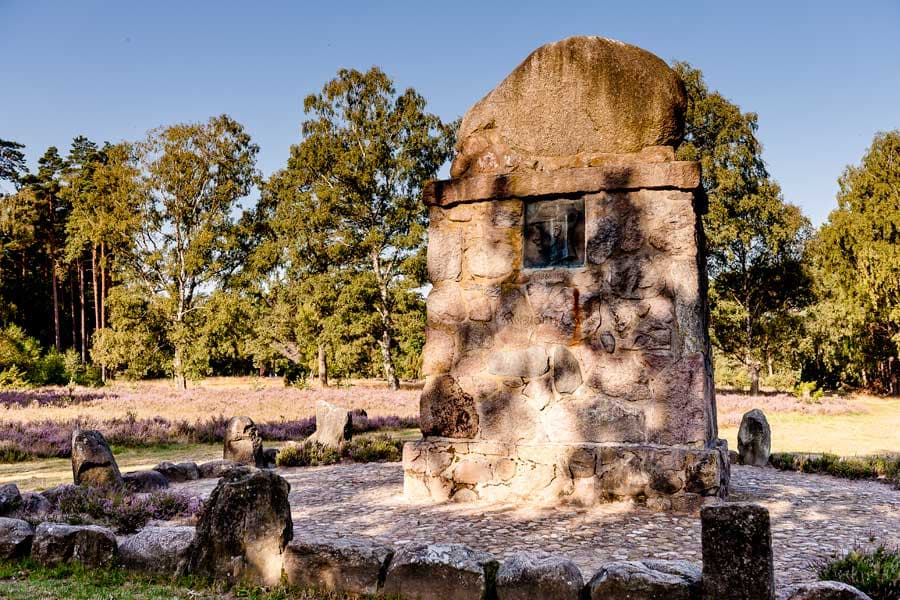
x=731, y=407
x=263, y=399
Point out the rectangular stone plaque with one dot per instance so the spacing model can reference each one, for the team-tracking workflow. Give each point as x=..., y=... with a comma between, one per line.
x=554, y=233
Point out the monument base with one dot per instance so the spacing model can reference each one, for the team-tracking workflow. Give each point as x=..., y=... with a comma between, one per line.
x=662, y=477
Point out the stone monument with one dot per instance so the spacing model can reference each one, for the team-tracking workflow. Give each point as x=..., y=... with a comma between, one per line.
x=567, y=355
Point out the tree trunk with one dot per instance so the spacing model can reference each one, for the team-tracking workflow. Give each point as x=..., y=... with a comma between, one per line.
x=102, y=285
x=387, y=360
x=72, y=307
x=770, y=364
x=81, y=307
x=102, y=324
x=323, y=366
x=178, y=368
x=754, y=378
x=53, y=283
x=95, y=287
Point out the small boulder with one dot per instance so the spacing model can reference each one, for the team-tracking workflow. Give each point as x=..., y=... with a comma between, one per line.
x=215, y=468
x=178, y=472
x=754, y=439
x=243, y=444
x=89, y=545
x=529, y=575
x=244, y=528
x=93, y=462
x=158, y=550
x=822, y=590
x=440, y=572
x=16, y=537
x=145, y=481
x=353, y=566
x=34, y=505
x=646, y=580
x=334, y=425
x=10, y=498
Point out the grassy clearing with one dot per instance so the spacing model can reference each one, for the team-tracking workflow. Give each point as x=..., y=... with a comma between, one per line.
x=25, y=580
x=873, y=430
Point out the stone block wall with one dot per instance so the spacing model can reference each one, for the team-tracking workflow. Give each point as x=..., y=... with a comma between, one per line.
x=608, y=356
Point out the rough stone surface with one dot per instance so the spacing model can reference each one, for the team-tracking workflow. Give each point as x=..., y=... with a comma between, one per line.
x=244, y=528
x=16, y=537
x=34, y=505
x=159, y=550
x=583, y=95
x=178, y=472
x=354, y=566
x=90, y=545
x=528, y=575
x=93, y=462
x=754, y=439
x=10, y=498
x=145, y=481
x=334, y=425
x=737, y=552
x=812, y=516
x=822, y=590
x=439, y=572
x=646, y=580
x=243, y=444
x=446, y=410
x=215, y=468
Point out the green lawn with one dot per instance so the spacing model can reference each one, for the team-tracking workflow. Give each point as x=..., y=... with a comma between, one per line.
x=24, y=580
x=874, y=432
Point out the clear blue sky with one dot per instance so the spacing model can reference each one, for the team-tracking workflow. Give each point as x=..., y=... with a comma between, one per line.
x=823, y=76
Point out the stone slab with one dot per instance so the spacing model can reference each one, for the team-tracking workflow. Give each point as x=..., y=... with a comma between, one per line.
x=678, y=175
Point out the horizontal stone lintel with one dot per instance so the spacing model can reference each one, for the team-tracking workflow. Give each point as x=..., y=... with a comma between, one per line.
x=677, y=175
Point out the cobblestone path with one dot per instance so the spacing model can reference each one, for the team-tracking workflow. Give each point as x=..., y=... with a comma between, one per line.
x=813, y=516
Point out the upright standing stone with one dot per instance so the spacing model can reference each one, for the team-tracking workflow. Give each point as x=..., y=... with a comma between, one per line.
x=334, y=425
x=737, y=553
x=243, y=444
x=93, y=462
x=568, y=315
x=244, y=528
x=754, y=439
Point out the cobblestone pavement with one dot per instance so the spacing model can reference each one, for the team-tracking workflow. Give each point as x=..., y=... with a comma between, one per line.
x=813, y=516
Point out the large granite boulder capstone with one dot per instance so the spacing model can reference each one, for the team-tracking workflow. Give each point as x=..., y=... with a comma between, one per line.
x=646, y=580
x=822, y=590
x=334, y=425
x=243, y=444
x=754, y=439
x=355, y=566
x=16, y=537
x=528, y=575
x=158, y=550
x=93, y=462
x=89, y=545
x=737, y=552
x=244, y=528
x=440, y=572
x=583, y=95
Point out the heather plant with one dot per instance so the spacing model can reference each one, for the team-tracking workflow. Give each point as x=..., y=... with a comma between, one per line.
x=123, y=511
x=307, y=454
x=375, y=448
x=883, y=467
x=877, y=573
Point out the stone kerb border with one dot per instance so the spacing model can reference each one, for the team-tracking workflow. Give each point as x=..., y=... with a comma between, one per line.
x=737, y=563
